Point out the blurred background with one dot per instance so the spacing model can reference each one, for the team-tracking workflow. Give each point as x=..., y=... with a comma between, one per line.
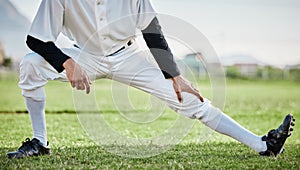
x=255, y=39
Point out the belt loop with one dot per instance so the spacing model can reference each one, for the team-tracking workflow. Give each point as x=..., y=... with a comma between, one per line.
x=128, y=44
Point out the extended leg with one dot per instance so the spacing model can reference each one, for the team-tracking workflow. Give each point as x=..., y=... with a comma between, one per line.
x=138, y=70
x=227, y=126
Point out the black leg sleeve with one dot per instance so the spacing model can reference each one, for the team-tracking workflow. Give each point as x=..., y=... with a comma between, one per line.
x=53, y=55
x=159, y=48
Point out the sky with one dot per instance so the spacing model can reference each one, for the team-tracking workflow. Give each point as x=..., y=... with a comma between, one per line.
x=269, y=30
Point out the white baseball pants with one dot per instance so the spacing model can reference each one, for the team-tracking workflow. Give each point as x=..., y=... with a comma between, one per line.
x=138, y=69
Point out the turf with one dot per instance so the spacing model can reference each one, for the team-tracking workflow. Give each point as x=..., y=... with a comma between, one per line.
x=258, y=106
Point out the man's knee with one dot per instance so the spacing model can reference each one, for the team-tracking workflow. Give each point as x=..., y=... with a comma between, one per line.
x=31, y=61
x=192, y=107
x=30, y=67
x=31, y=76
x=31, y=79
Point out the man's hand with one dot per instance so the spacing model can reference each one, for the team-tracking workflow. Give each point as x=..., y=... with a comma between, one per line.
x=77, y=77
x=180, y=84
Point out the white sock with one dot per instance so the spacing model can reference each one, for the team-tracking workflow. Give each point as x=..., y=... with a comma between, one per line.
x=222, y=123
x=37, y=117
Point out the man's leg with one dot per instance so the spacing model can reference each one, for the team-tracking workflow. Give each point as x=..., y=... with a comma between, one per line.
x=138, y=69
x=34, y=75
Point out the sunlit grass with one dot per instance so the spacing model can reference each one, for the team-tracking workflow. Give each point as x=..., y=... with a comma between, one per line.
x=259, y=106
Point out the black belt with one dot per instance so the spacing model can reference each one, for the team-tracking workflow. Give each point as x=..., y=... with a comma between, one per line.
x=129, y=43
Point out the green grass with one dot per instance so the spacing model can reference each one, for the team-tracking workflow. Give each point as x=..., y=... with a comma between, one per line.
x=259, y=106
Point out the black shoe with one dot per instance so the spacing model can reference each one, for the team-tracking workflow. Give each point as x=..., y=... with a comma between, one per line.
x=276, y=138
x=30, y=148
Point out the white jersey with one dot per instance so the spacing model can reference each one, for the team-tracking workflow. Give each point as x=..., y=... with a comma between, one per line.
x=99, y=27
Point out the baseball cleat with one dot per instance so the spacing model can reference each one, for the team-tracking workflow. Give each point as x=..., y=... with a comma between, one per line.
x=30, y=148
x=275, y=139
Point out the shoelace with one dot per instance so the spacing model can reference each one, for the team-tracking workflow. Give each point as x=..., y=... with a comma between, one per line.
x=25, y=145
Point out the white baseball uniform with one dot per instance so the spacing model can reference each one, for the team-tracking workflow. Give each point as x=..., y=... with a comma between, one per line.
x=100, y=28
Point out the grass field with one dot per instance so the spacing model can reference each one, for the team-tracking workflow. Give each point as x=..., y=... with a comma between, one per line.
x=259, y=106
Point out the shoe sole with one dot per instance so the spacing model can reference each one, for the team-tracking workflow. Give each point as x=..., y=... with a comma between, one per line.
x=281, y=134
x=287, y=124
x=286, y=127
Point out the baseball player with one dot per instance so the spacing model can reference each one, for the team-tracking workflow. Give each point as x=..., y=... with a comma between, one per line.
x=106, y=48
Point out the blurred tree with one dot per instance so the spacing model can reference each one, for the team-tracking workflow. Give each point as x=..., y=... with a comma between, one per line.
x=4, y=60
x=270, y=73
x=7, y=62
x=1, y=54
x=295, y=75
x=233, y=72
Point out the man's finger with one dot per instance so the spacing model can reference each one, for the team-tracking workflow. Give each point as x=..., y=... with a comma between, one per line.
x=177, y=91
x=78, y=86
x=196, y=92
x=72, y=84
x=88, y=88
x=179, y=97
x=200, y=97
x=87, y=84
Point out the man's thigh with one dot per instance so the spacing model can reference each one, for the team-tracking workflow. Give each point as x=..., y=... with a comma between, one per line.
x=140, y=70
x=95, y=66
x=35, y=71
